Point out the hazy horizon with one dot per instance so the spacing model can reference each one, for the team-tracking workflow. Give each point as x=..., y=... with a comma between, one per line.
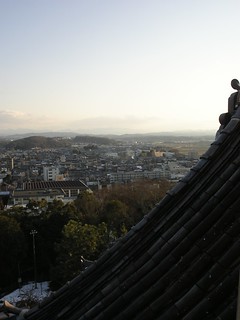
x=102, y=131
x=116, y=66
x=29, y=132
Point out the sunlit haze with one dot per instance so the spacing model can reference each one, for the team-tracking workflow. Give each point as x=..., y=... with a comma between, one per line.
x=116, y=66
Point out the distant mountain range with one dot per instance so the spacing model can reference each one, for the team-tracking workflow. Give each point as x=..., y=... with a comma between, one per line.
x=54, y=134
x=70, y=134
x=65, y=139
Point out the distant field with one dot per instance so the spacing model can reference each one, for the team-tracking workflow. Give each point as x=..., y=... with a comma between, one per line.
x=198, y=146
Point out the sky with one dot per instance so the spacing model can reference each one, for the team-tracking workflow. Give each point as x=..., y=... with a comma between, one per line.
x=116, y=66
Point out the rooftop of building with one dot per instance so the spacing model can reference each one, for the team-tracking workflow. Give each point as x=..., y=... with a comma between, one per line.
x=53, y=185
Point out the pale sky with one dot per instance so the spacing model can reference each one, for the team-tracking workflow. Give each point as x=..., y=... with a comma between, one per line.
x=117, y=66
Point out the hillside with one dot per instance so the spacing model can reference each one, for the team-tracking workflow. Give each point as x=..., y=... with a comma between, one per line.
x=49, y=143
x=37, y=142
x=94, y=140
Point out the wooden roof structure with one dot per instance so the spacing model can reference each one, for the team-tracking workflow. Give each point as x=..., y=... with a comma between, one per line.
x=181, y=261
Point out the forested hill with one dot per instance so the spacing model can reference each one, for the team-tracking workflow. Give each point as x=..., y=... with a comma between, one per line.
x=49, y=143
x=94, y=140
x=37, y=142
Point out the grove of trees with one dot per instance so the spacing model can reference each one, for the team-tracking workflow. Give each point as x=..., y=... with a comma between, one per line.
x=67, y=233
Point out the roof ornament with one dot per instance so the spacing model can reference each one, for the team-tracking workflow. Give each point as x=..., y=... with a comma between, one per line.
x=236, y=95
x=85, y=263
x=235, y=84
x=233, y=104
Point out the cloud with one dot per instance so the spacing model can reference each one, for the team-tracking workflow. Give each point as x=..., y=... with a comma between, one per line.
x=128, y=124
x=10, y=116
x=19, y=121
x=15, y=120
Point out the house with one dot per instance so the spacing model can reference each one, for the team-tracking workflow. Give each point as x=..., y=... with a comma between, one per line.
x=181, y=261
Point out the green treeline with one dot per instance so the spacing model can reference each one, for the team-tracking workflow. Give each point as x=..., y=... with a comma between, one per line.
x=68, y=232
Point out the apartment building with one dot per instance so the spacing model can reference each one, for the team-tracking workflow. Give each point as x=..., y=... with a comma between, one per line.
x=50, y=173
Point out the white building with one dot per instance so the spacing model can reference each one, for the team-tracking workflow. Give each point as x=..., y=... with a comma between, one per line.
x=50, y=173
x=125, y=176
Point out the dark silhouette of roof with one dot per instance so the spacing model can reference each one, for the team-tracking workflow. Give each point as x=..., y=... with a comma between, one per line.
x=181, y=261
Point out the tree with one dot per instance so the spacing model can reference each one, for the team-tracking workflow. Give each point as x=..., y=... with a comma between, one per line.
x=115, y=214
x=55, y=206
x=48, y=221
x=140, y=197
x=12, y=248
x=78, y=241
x=88, y=208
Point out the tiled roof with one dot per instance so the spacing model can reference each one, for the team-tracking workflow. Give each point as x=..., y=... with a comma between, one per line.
x=36, y=185
x=180, y=262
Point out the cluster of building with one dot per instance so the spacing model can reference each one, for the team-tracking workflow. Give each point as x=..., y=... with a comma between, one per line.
x=63, y=173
